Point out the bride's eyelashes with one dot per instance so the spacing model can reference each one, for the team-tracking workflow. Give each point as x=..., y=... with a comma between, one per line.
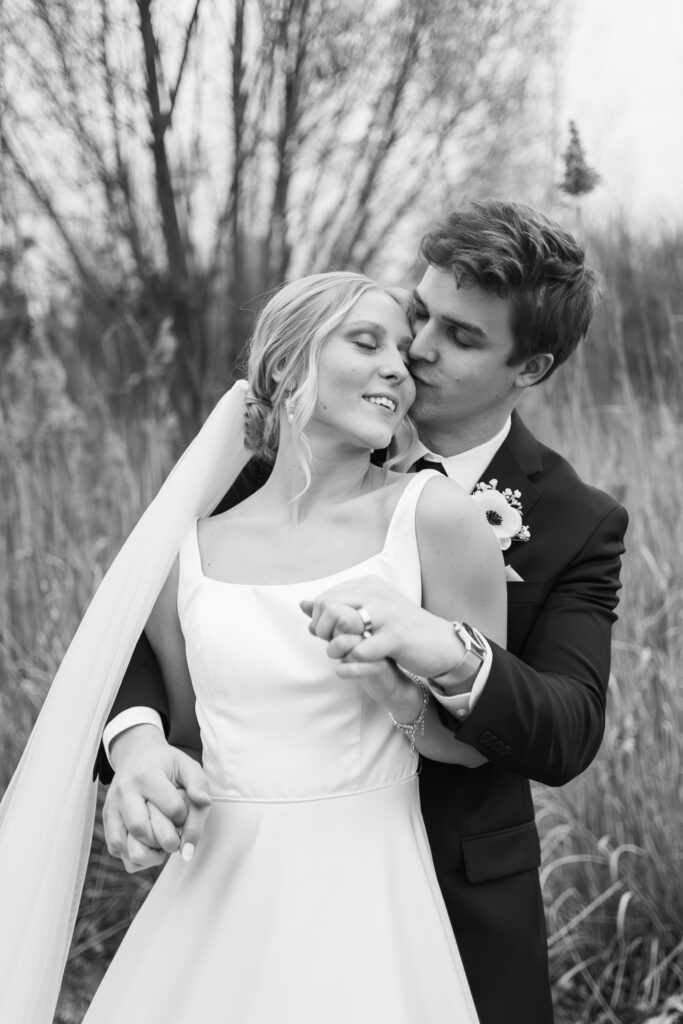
x=367, y=341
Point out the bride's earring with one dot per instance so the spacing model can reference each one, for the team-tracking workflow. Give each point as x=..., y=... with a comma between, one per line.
x=289, y=408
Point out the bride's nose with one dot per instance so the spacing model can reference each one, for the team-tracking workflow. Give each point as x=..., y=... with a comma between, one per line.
x=395, y=370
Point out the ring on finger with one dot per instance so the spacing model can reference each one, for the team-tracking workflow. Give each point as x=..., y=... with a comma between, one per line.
x=366, y=619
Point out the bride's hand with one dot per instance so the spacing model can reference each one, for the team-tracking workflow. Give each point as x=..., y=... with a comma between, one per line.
x=158, y=800
x=382, y=680
x=398, y=629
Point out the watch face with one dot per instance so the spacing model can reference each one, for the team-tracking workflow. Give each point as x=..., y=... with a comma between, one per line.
x=464, y=673
x=470, y=639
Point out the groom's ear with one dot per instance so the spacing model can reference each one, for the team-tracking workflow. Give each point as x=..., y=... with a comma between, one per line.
x=533, y=370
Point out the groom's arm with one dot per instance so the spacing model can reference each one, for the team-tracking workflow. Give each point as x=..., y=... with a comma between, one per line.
x=542, y=713
x=142, y=689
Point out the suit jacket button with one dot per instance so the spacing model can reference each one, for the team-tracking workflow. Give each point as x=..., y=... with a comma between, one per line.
x=492, y=742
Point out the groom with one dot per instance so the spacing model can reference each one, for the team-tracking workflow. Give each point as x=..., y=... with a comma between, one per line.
x=505, y=299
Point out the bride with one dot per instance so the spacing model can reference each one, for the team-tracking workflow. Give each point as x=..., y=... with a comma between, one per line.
x=312, y=896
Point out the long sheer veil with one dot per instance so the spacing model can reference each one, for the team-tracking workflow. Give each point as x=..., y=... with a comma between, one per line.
x=46, y=815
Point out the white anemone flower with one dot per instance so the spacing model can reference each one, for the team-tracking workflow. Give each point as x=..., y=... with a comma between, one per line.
x=505, y=521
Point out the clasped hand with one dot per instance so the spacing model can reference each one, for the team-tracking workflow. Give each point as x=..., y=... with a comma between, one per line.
x=158, y=800
x=401, y=630
x=400, y=633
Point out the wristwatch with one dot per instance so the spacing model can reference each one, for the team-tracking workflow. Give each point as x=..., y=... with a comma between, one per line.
x=450, y=683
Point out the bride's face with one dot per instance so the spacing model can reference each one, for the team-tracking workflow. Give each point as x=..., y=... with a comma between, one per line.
x=364, y=388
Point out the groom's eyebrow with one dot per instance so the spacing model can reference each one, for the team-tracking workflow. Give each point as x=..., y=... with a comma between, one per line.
x=463, y=325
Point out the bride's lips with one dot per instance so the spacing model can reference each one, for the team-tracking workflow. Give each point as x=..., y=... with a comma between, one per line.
x=382, y=404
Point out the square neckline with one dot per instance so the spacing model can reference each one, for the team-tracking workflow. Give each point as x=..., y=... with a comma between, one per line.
x=414, y=477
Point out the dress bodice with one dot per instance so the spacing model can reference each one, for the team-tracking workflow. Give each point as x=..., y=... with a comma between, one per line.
x=277, y=723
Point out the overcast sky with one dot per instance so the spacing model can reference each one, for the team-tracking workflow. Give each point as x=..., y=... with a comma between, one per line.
x=623, y=84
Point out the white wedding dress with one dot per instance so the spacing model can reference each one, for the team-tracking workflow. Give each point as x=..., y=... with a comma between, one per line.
x=312, y=897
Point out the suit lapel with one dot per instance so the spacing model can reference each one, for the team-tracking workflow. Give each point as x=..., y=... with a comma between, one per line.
x=516, y=461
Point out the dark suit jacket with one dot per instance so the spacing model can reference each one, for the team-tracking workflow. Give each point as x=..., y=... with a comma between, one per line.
x=540, y=716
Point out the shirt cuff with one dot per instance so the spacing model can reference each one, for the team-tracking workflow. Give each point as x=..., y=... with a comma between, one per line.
x=126, y=720
x=462, y=704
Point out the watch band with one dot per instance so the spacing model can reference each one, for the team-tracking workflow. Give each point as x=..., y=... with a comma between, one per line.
x=449, y=683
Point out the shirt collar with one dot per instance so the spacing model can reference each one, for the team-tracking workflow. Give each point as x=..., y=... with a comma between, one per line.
x=466, y=468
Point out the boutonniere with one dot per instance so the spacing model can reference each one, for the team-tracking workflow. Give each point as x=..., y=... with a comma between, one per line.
x=503, y=510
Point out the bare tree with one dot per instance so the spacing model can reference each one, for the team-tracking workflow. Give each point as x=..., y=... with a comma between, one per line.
x=189, y=161
x=160, y=118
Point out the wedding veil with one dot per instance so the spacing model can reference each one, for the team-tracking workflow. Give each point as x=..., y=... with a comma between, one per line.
x=46, y=815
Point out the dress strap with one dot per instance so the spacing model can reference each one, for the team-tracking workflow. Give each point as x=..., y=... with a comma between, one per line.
x=402, y=525
x=189, y=555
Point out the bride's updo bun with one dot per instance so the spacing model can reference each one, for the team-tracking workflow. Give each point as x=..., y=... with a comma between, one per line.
x=261, y=427
x=283, y=353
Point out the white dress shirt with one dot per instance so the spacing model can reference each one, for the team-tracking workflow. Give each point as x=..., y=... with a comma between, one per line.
x=466, y=469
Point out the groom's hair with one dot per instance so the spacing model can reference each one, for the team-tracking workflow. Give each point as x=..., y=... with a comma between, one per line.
x=514, y=251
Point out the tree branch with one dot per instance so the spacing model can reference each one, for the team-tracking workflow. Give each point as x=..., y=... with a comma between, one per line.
x=183, y=60
x=190, y=351
x=293, y=56
x=130, y=225
x=73, y=91
x=387, y=134
x=159, y=123
x=45, y=201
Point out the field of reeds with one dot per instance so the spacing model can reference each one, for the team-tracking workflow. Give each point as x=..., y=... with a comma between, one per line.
x=74, y=475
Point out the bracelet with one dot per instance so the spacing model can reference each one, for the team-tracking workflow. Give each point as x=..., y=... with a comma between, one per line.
x=461, y=661
x=417, y=728
x=475, y=650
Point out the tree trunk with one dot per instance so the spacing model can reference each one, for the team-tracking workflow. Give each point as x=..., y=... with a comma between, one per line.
x=185, y=318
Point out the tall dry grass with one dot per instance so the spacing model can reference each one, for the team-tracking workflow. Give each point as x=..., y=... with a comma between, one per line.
x=612, y=840
x=72, y=483
x=73, y=478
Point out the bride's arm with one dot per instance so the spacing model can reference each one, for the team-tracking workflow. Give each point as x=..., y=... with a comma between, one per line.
x=166, y=639
x=463, y=578
x=463, y=573
x=158, y=790
x=168, y=643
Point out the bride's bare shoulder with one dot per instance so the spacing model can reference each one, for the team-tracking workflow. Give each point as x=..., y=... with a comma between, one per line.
x=239, y=515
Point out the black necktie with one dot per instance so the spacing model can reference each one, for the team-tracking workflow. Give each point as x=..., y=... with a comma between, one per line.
x=425, y=463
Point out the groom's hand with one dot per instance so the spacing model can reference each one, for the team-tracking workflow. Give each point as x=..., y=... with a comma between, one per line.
x=158, y=800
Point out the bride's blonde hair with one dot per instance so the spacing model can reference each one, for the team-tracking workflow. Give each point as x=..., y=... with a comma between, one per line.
x=283, y=354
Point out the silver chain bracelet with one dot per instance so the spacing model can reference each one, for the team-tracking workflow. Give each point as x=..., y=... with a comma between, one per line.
x=417, y=728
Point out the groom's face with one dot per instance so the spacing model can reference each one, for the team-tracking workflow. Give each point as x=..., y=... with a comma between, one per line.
x=459, y=356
